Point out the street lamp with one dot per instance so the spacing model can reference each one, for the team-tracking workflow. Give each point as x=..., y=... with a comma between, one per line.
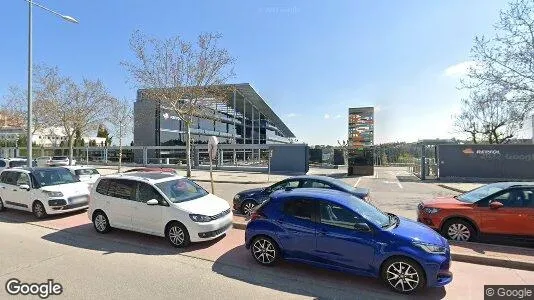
x=29, y=115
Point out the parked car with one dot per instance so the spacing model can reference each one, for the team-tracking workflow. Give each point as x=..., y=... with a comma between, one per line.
x=152, y=169
x=160, y=204
x=337, y=230
x=43, y=191
x=504, y=208
x=245, y=201
x=7, y=163
x=57, y=161
x=43, y=161
x=85, y=174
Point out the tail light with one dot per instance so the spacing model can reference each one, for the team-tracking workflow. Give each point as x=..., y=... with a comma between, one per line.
x=256, y=215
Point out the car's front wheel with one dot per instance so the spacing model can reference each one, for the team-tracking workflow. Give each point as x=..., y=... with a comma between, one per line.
x=248, y=207
x=403, y=275
x=101, y=222
x=458, y=230
x=177, y=235
x=265, y=251
x=38, y=210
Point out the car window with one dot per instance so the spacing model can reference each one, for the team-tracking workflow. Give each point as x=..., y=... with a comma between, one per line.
x=180, y=190
x=2, y=163
x=53, y=176
x=123, y=189
x=103, y=186
x=147, y=192
x=23, y=179
x=315, y=184
x=17, y=163
x=285, y=184
x=299, y=208
x=529, y=198
x=10, y=177
x=86, y=172
x=59, y=158
x=335, y=215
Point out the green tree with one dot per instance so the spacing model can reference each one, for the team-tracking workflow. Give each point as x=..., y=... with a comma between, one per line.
x=103, y=132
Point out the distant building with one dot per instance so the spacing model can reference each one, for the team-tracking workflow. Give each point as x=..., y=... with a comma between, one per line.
x=53, y=136
x=245, y=119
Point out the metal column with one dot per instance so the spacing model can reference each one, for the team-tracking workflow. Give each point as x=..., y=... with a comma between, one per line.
x=244, y=128
x=252, y=133
x=235, y=131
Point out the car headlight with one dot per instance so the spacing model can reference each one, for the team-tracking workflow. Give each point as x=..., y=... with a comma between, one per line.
x=430, y=210
x=199, y=218
x=430, y=248
x=54, y=194
x=236, y=197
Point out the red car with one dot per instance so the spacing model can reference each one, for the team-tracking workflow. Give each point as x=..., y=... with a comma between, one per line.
x=504, y=208
x=153, y=169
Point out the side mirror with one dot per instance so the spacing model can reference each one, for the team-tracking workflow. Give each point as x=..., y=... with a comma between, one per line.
x=496, y=205
x=24, y=187
x=362, y=227
x=152, y=202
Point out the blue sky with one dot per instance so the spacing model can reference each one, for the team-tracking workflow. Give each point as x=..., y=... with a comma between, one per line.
x=310, y=60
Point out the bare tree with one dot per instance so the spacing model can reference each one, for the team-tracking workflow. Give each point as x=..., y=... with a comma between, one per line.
x=506, y=61
x=75, y=107
x=122, y=121
x=487, y=117
x=185, y=78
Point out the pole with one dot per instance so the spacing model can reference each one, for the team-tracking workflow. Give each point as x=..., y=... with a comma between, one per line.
x=29, y=147
x=269, y=169
x=211, y=176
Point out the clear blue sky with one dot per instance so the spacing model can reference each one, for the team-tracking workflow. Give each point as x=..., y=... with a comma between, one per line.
x=310, y=60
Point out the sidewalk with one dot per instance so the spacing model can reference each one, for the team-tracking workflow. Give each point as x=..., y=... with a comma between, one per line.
x=460, y=187
x=475, y=253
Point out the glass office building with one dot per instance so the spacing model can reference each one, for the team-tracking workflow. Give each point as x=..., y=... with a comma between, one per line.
x=361, y=141
x=243, y=118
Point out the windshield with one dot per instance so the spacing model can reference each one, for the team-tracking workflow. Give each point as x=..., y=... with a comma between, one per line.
x=370, y=212
x=17, y=163
x=81, y=172
x=480, y=193
x=59, y=158
x=181, y=190
x=48, y=177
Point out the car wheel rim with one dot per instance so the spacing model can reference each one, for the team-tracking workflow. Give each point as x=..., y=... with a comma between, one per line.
x=264, y=251
x=100, y=223
x=459, y=232
x=176, y=235
x=402, y=276
x=39, y=210
x=248, y=207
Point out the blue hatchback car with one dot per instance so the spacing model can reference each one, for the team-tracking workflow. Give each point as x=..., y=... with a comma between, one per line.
x=336, y=230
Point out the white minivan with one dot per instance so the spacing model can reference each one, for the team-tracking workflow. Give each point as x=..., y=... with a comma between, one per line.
x=43, y=191
x=85, y=174
x=161, y=204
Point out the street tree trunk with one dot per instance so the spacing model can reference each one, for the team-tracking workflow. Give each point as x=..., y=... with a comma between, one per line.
x=188, y=149
x=120, y=148
x=71, y=149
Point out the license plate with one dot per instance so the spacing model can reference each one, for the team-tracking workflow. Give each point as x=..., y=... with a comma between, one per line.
x=77, y=200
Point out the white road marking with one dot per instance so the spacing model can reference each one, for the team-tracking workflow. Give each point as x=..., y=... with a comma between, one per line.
x=357, y=181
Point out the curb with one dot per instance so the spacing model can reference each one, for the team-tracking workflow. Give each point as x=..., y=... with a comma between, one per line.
x=451, y=188
x=496, y=262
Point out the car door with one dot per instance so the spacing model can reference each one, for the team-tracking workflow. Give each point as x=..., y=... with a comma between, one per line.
x=22, y=196
x=528, y=209
x=508, y=219
x=297, y=234
x=12, y=197
x=121, y=200
x=338, y=242
x=148, y=218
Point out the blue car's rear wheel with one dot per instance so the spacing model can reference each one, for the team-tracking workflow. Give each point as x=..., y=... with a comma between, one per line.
x=265, y=251
x=403, y=275
x=247, y=207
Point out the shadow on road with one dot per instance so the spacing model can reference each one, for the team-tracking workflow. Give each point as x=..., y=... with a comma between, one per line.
x=301, y=279
x=18, y=216
x=119, y=241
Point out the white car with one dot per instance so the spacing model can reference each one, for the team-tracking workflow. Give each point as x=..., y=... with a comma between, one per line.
x=160, y=204
x=43, y=191
x=85, y=174
x=43, y=161
x=60, y=161
x=7, y=163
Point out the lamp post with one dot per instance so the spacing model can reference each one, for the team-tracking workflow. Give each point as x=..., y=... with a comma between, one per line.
x=30, y=71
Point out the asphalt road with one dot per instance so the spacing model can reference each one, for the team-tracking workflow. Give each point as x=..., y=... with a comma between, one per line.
x=393, y=189
x=125, y=265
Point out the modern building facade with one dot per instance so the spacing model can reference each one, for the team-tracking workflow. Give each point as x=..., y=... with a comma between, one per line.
x=361, y=141
x=243, y=118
